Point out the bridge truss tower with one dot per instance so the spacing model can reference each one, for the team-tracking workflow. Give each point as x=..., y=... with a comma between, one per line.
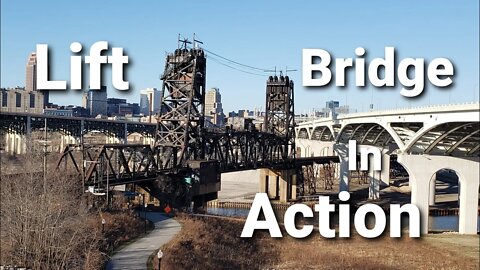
x=279, y=113
x=187, y=160
x=181, y=121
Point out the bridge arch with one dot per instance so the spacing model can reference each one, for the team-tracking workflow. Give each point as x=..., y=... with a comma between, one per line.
x=140, y=138
x=143, y=129
x=421, y=168
x=448, y=176
x=322, y=133
x=369, y=134
x=303, y=133
x=452, y=139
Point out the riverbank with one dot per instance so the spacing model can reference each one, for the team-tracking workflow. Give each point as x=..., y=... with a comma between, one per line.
x=215, y=243
x=239, y=189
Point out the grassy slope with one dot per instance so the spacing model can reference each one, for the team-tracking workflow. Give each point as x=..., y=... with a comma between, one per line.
x=210, y=243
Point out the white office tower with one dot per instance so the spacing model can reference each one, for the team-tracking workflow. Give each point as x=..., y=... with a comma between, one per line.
x=213, y=107
x=150, y=101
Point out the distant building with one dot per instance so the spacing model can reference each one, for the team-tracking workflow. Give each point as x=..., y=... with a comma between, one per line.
x=31, y=73
x=20, y=100
x=332, y=104
x=344, y=109
x=58, y=112
x=66, y=111
x=85, y=101
x=240, y=123
x=96, y=101
x=113, y=104
x=150, y=101
x=246, y=119
x=213, y=107
x=334, y=108
x=79, y=111
x=129, y=109
x=120, y=107
x=31, y=77
x=241, y=113
x=246, y=114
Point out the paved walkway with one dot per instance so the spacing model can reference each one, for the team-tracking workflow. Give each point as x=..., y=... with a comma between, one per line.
x=135, y=255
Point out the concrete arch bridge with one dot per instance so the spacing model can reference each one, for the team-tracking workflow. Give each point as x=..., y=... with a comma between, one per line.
x=423, y=140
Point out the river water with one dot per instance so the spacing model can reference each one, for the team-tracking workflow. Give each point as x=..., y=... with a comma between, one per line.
x=436, y=223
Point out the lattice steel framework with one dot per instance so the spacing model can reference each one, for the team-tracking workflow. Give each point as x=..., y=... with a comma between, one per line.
x=182, y=140
x=240, y=150
x=123, y=163
x=279, y=112
x=181, y=121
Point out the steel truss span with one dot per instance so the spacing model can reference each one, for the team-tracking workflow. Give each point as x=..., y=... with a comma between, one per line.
x=186, y=159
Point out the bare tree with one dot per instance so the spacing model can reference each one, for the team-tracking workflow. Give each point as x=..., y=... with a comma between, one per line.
x=46, y=225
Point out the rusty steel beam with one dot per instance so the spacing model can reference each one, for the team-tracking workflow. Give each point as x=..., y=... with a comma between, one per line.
x=181, y=120
x=279, y=113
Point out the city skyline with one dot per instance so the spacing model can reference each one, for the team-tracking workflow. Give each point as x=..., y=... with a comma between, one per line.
x=312, y=26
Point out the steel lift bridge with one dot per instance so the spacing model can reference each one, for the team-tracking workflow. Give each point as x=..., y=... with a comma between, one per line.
x=186, y=161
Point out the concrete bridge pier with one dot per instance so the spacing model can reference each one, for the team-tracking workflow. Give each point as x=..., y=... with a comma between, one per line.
x=113, y=140
x=344, y=173
x=66, y=140
x=433, y=187
x=148, y=140
x=263, y=180
x=15, y=143
x=373, y=182
x=378, y=179
x=421, y=168
x=279, y=184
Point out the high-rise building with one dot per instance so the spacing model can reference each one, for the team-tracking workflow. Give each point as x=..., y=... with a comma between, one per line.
x=31, y=77
x=150, y=101
x=213, y=106
x=31, y=73
x=96, y=101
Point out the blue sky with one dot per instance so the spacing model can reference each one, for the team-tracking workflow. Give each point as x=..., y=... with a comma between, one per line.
x=258, y=33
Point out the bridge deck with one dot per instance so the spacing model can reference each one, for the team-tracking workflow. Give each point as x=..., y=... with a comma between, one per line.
x=122, y=179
